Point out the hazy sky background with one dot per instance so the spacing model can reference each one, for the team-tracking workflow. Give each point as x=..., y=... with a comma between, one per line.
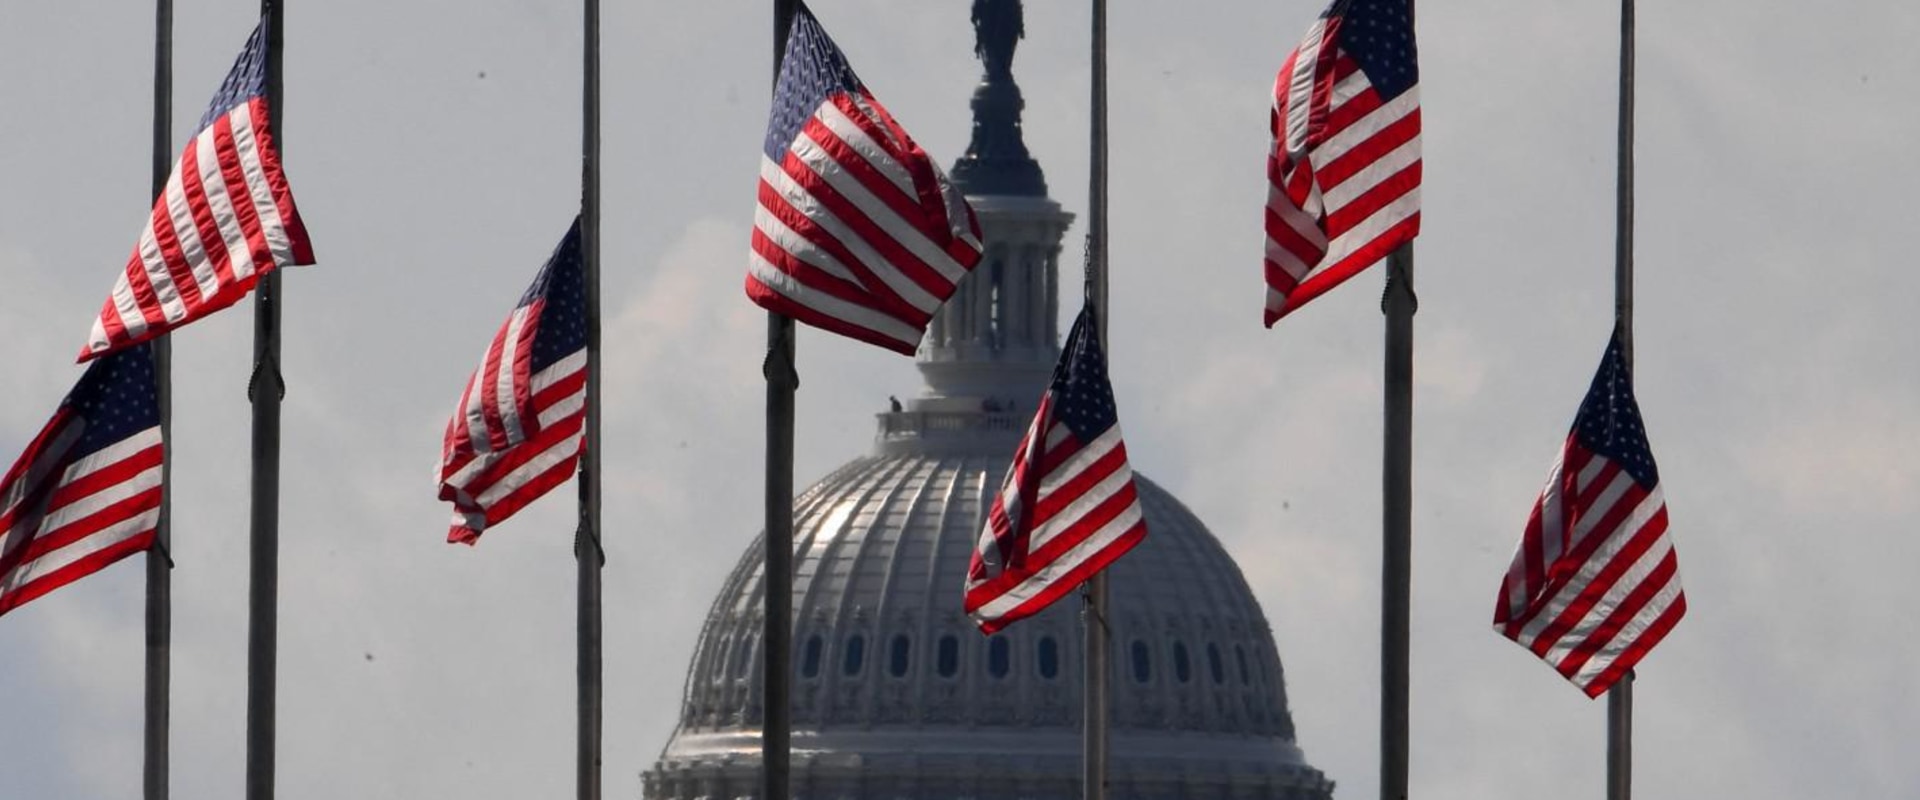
x=433, y=148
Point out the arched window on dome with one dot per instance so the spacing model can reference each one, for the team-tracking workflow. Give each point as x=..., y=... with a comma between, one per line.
x=899, y=655
x=999, y=657
x=1047, y=658
x=1240, y=655
x=1142, y=662
x=856, y=655
x=743, y=657
x=1213, y=664
x=810, y=657
x=947, y=659
x=1182, y=666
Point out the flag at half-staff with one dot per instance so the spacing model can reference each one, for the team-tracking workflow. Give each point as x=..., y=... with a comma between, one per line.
x=857, y=230
x=225, y=218
x=1068, y=507
x=1344, y=171
x=1594, y=584
x=517, y=431
x=86, y=492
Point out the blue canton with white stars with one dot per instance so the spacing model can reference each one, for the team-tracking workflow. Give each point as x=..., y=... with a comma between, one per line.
x=1378, y=35
x=1609, y=421
x=1083, y=398
x=812, y=70
x=247, y=79
x=562, y=327
x=118, y=397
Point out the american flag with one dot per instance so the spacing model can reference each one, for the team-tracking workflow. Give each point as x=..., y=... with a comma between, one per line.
x=1594, y=585
x=517, y=431
x=86, y=493
x=1068, y=507
x=224, y=219
x=1345, y=165
x=857, y=230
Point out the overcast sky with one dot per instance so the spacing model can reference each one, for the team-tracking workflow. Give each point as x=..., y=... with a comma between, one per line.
x=433, y=149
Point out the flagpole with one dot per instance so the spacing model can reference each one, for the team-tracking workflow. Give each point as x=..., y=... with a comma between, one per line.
x=1620, y=697
x=264, y=557
x=1095, y=703
x=154, y=761
x=1398, y=304
x=588, y=552
x=777, y=635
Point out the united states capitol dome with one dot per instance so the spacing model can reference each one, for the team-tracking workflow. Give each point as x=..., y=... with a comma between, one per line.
x=895, y=693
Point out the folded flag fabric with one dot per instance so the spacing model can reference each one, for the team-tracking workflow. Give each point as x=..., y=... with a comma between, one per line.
x=1068, y=507
x=86, y=492
x=1344, y=171
x=1594, y=584
x=857, y=230
x=518, y=429
x=225, y=218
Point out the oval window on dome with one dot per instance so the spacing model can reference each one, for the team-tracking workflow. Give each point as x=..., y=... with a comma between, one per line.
x=856, y=655
x=1047, y=658
x=1240, y=655
x=1182, y=666
x=1142, y=662
x=948, y=657
x=1213, y=664
x=810, y=658
x=899, y=655
x=999, y=657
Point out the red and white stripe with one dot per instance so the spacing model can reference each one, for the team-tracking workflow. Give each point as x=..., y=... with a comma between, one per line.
x=857, y=231
x=500, y=393
x=1594, y=584
x=514, y=435
x=1343, y=174
x=64, y=518
x=224, y=219
x=1066, y=514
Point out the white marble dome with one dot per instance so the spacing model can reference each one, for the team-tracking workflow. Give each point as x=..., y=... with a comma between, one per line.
x=897, y=695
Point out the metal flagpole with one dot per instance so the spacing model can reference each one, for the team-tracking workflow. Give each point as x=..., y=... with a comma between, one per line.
x=1623, y=199
x=265, y=390
x=1396, y=574
x=777, y=637
x=588, y=552
x=159, y=560
x=1620, y=697
x=1094, y=703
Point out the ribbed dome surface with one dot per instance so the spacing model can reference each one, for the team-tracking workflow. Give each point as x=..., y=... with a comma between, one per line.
x=894, y=687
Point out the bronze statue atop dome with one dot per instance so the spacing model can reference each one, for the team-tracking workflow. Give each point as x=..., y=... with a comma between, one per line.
x=998, y=27
x=997, y=161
